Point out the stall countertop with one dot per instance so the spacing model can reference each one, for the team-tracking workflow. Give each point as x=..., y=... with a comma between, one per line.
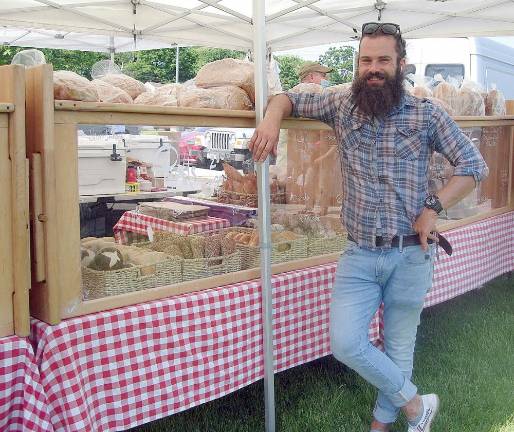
x=135, y=196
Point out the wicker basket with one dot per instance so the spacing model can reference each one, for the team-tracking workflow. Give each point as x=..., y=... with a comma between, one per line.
x=288, y=250
x=324, y=245
x=206, y=267
x=96, y=284
x=247, y=200
x=198, y=268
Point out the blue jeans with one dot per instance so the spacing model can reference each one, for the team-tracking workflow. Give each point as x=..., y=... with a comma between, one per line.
x=364, y=279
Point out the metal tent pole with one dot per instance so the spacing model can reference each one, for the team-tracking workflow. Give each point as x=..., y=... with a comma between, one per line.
x=176, y=65
x=261, y=91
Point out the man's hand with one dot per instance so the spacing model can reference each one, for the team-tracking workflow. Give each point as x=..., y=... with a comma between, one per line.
x=426, y=224
x=264, y=140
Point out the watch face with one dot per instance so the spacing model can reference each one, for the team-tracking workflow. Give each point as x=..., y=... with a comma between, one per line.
x=431, y=201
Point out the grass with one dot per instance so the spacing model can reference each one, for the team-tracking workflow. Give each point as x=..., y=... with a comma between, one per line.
x=465, y=353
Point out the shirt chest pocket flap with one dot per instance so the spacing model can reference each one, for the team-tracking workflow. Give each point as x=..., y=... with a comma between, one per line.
x=351, y=135
x=407, y=143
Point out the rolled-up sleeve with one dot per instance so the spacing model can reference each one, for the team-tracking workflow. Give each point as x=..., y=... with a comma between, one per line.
x=449, y=140
x=320, y=106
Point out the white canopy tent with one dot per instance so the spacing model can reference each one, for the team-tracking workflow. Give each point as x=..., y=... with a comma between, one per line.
x=125, y=25
x=258, y=25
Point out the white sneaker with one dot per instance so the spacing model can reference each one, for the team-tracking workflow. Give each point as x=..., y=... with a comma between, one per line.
x=430, y=407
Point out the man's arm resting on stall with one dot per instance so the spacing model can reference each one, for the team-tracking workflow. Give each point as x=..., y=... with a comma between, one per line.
x=456, y=189
x=265, y=137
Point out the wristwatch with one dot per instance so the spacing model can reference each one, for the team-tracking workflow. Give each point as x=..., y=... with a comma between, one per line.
x=432, y=202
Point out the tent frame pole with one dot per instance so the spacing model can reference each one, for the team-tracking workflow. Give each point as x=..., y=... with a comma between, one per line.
x=261, y=91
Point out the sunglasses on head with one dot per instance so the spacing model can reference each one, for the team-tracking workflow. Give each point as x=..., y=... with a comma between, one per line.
x=386, y=28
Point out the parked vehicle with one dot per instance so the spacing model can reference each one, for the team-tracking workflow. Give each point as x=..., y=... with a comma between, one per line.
x=223, y=144
x=189, y=147
x=484, y=61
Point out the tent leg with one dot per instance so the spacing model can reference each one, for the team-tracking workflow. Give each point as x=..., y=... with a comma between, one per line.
x=261, y=91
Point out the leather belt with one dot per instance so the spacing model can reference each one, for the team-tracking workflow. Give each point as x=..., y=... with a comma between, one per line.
x=412, y=240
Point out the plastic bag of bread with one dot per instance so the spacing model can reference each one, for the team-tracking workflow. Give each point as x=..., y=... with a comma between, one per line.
x=469, y=100
x=166, y=95
x=231, y=172
x=228, y=72
x=447, y=93
x=442, y=104
x=71, y=86
x=132, y=86
x=306, y=88
x=227, y=97
x=421, y=91
x=495, y=103
x=111, y=94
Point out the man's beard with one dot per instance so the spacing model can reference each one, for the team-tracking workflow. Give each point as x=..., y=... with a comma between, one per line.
x=377, y=101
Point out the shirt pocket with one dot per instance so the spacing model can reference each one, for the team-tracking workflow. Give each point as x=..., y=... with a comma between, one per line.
x=407, y=143
x=351, y=136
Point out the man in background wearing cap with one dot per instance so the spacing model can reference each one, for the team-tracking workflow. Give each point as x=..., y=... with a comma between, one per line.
x=312, y=72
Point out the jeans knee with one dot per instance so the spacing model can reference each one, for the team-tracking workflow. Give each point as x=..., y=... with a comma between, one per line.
x=346, y=349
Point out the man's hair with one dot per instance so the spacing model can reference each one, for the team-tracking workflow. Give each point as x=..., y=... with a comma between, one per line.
x=401, y=45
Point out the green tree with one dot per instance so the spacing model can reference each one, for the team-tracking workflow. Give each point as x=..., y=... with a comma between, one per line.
x=159, y=65
x=341, y=59
x=289, y=66
x=207, y=55
x=75, y=61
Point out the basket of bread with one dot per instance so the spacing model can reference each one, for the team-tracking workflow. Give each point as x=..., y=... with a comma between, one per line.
x=241, y=189
x=324, y=234
x=285, y=246
x=111, y=269
x=200, y=256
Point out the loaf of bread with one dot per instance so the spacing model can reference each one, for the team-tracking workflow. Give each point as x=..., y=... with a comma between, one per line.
x=495, y=103
x=167, y=95
x=442, y=104
x=421, y=91
x=111, y=94
x=71, y=86
x=469, y=102
x=447, y=93
x=227, y=97
x=132, y=86
x=228, y=72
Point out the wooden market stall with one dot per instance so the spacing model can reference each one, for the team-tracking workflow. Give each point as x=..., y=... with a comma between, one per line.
x=14, y=214
x=52, y=146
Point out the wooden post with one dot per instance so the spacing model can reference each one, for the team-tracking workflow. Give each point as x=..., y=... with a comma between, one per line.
x=13, y=91
x=44, y=296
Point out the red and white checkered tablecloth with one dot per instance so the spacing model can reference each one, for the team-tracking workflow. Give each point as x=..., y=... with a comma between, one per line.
x=481, y=252
x=132, y=221
x=114, y=370
x=23, y=405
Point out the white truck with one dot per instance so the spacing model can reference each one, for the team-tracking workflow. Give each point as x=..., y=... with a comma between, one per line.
x=482, y=60
x=225, y=144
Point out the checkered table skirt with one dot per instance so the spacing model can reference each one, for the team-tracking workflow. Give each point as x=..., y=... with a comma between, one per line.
x=135, y=222
x=114, y=370
x=23, y=405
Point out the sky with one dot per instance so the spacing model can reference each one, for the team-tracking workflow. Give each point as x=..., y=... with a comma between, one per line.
x=313, y=53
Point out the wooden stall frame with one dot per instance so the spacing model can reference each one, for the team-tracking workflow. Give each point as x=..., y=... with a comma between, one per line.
x=57, y=292
x=15, y=254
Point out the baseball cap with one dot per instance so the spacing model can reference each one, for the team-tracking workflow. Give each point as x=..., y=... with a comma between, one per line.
x=309, y=67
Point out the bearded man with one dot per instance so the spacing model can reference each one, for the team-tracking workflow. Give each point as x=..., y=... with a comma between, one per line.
x=385, y=140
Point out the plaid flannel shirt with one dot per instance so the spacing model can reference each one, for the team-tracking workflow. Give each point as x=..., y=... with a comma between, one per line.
x=385, y=162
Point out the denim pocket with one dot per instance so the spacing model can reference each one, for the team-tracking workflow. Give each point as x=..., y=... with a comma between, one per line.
x=416, y=255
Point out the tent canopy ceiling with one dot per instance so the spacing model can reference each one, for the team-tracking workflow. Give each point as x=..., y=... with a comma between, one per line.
x=125, y=25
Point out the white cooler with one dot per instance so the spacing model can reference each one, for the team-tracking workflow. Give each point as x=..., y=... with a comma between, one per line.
x=153, y=149
x=101, y=171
